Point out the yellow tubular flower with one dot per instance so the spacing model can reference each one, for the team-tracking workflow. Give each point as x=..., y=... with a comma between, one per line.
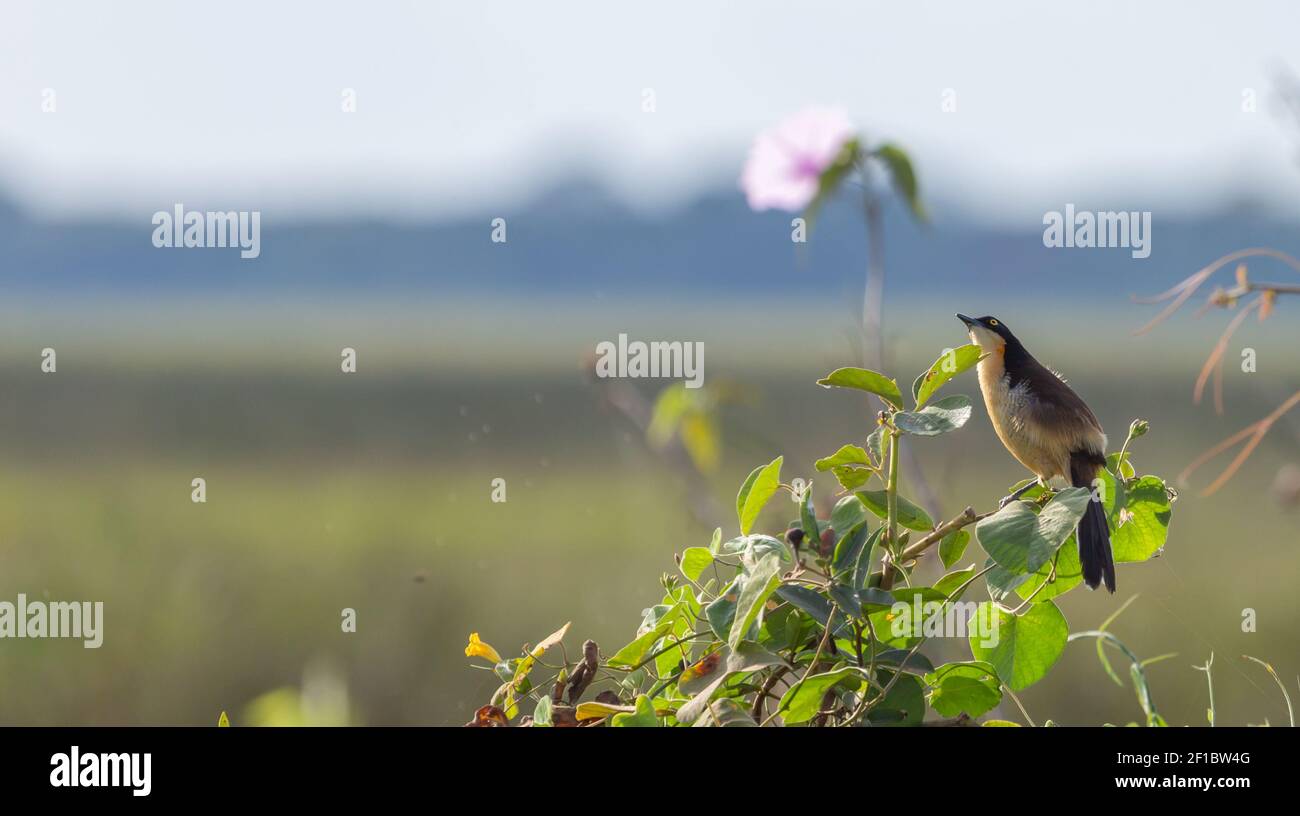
x=478, y=648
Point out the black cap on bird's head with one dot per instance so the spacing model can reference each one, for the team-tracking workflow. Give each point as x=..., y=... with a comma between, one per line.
x=988, y=331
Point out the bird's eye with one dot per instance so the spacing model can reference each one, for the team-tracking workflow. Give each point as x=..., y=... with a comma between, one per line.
x=993, y=322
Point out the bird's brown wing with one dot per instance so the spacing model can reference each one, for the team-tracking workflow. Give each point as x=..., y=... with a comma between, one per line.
x=1061, y=416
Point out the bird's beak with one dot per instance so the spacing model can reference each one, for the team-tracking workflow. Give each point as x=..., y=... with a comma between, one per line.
x=969, y=321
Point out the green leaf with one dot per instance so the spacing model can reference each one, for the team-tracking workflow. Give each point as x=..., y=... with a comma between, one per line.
x=1020, y=540
x=848, y=511
x=953, y=547
x=759, y=586
x=904, y=660
x=634, y=652
x=808, y=520
x=758, y=488
x=803, y=700
x=1125, y=469
x=643, y=717
x=851, y=478
x=948, y=414
x=904, y=704
x=951, y=582
x=806, y=600
x=951, y=363
x=1002, y=582
x=849, y=548
x=876, y=446
x=1142, y=535
x=909, y=515
x=722, y=611
x=847, y=455
x=864, y=380
x=726, y=713
x=542, y=713
x=970, y=688
x=1068, y=574
x=903, y=176
x=1027, y=646
x=695, y=561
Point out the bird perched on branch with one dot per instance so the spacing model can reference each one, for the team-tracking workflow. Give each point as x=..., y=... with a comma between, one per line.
x=1049, y=430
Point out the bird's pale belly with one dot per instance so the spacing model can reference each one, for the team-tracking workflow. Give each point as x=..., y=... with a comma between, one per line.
x=1007, y=408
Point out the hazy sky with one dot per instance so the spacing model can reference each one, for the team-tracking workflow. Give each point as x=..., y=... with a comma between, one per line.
x=473, y=105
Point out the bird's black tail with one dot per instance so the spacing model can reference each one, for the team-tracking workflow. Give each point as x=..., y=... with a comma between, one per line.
x=1094, y=535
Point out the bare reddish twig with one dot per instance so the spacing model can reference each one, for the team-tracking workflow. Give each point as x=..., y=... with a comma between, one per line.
x=1263, y=305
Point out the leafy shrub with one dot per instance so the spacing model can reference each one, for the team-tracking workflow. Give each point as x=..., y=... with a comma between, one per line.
x=823, y=626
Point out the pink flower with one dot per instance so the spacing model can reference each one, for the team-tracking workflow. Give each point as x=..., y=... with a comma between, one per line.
x=787, y=161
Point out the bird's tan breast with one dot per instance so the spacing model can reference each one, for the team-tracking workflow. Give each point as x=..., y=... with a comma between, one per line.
x=1036, y=448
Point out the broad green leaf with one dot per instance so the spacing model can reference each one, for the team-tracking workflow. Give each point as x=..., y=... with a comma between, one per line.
x=1068, y=574
x=726, y=713
x=542, y=712
x=1021, y=541
x=866, y=555
x=953, y=581
x=1140, y=536
x=999, y=724
x=904, y=704
x=759, y=586
x=1028, y=645
x=1125, y=470
x=675, y=649
x=904, y=660
x=951, y=363
x=849, y=548
x=903, y=176
x=948, y=414
x=848, y=512
x=909, y=515
x=758, y=488
x=643, y=717
x=803, y=700
x=851, y=478
x=971, y=688
x=847, y=599
x=814, y=604
x=864, y=380
x=636, y=651
x=1002, y=582
x=695, y=561
x=953, y=547
x=876, y=446
x=722, y=610
x=847, y=455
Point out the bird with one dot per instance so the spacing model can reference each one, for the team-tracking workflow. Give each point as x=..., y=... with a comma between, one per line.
x=1049, y=429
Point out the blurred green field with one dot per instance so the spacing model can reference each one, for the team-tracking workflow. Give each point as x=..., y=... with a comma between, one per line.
x=372, y=491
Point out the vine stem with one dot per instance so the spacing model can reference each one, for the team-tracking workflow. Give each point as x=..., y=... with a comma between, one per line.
x=891, y=491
